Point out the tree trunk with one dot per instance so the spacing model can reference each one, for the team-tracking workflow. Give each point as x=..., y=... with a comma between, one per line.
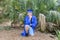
x=42, y=22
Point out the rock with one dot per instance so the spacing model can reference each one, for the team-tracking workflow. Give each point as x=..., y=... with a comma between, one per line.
x=42, y=22
x=51, y=26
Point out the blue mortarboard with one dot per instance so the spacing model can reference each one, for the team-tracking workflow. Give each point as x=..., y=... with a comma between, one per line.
x=29, y=10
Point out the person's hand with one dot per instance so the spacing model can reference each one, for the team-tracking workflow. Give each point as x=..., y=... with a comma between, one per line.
x=30, y=17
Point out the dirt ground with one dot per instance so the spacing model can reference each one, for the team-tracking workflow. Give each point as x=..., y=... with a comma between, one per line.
x=15, y=35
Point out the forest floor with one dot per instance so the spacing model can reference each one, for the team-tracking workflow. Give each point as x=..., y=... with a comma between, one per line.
x=14, y=34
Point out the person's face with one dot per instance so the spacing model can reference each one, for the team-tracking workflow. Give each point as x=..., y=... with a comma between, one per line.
x=29, y=13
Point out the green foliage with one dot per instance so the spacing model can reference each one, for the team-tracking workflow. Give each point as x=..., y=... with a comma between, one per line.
x=42, y=6
x=12, y=8
x=58, y=34
x=5, y=28
x=58, y=8
x=1, y=20
x=53, y=16
x=21, y=16
x=37, y=6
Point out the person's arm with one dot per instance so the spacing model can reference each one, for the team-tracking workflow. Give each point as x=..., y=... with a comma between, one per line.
x=26, y=20
x=34, y=22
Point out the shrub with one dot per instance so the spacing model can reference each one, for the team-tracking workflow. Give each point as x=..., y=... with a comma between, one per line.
x=58, y=34
x=53, y=16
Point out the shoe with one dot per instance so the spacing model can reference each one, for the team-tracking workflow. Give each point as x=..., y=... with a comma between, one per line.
x=27, y=34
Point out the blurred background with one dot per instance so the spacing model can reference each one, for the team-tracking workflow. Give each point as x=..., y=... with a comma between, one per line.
x=14, y=11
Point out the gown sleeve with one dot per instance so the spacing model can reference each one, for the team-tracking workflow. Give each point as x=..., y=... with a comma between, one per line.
x=26, y=20
x=34, y=24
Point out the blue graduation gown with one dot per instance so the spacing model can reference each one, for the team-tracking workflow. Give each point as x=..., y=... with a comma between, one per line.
x=28, y=22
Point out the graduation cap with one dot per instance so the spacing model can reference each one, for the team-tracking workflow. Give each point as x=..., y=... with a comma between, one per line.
x=29, y=10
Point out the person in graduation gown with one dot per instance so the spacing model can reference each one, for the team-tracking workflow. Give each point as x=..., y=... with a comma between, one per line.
x=30, y=23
